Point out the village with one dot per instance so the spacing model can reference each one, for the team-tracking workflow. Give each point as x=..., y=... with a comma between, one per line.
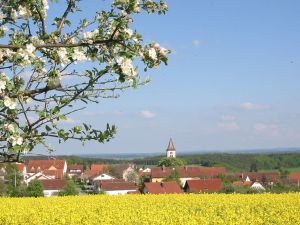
x=53, y=174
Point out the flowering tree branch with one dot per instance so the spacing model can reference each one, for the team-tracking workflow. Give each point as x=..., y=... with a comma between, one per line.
x=43, y=74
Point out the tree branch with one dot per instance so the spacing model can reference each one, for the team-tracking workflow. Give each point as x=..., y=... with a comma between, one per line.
x=42, y=20
x=63, y=18
x=62, y=45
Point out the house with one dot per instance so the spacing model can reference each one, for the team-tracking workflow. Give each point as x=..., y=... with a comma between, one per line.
x=186, y=172
x=169, y=187
x=96, y=169
x=203, y=185
x=52, y=187
x=270, y=177
x=146, y=170
x=125, y=171
x=242, y=183
x=22, y=168
x=75, y=170
x=117, y=188
x=257, y=186
x=294, y=178
x=55, y=168
x=103, y=176
x=37, y=176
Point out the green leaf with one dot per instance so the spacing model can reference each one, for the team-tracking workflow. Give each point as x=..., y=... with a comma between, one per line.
x=48, y=128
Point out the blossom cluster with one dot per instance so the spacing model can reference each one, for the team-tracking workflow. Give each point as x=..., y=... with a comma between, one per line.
x=36, y=56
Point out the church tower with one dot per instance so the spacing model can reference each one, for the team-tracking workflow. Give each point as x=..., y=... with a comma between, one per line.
x=171, y=151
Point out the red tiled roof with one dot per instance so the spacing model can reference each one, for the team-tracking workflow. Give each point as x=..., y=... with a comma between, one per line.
x=208, y=185
x=113, y=180
x=20, y=167
x=117, y=186
x=35, y=166
x=75, y=169
x=53, y=184
x=59, y=173
x=154, y=188
x=187, y=171
x=98, y=167
x=169, y=187
x=294, y=176
x=258, y=176
x=241, y=183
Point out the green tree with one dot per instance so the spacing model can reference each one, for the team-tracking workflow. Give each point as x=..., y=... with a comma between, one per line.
x=34, y=189
x=69, y=189
x=40, y=83
x=174, y=176
x=132, y=176
x=111, y=170
x=171, y=162
x=13, y=178
x=253, y=167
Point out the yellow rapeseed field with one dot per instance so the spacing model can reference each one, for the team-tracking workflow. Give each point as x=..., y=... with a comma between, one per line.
x=154, y=209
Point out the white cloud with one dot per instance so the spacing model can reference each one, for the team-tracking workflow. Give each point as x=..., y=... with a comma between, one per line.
x=228, y=122
x=269, y=129
x=228, y=118
x=230, y=125
x=102, y=113
x=147, y=114
x=253, y=106
x=196, y=43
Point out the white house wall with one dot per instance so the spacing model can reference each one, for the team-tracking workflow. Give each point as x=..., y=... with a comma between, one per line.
x=119, y=192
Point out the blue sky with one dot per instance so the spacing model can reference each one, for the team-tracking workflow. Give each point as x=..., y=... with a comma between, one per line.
x=232, y=81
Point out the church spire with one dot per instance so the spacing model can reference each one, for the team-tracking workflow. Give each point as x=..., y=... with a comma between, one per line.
x=171, y=151
x=171, y=145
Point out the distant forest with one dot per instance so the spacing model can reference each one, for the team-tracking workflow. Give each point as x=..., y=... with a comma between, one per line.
x=233, y=162
x=238, y=162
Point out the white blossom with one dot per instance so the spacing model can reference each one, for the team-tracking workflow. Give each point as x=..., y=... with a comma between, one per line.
x=152, y=53
x=62, y=54
x=129, y=32
x=36, y=41
x=2, y=85
x=30, y=48
x=26, y=54
x=14, y=14
x=88, y=35
x=156, y=45
x=126, y=66
x=16, y=140
x=3, y=76
x=45, y=4
x=136, y=6
x=163, y=51
x=78, y=55
x=4, y=28
x=10, y=103
x=9, y=127
x=24, y=12
x=2, y=16
x=123, y=13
